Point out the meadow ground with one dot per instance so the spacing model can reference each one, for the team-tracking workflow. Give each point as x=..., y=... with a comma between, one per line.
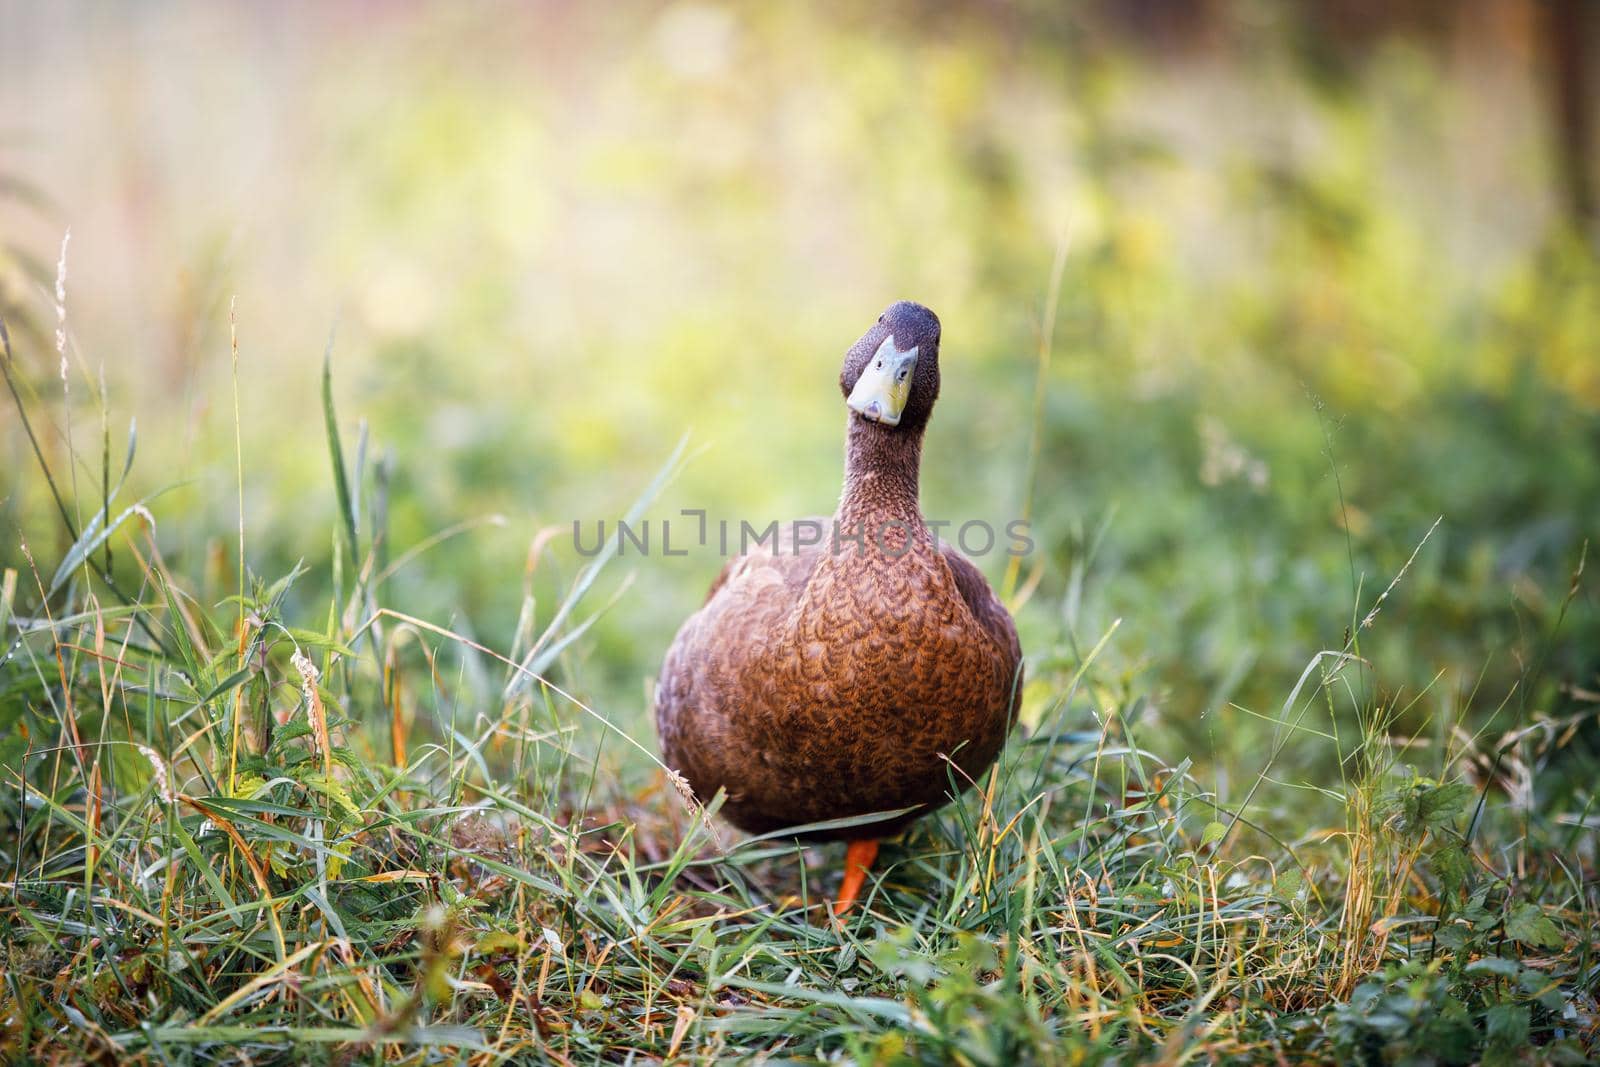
x=320, y=740
x=244, y=833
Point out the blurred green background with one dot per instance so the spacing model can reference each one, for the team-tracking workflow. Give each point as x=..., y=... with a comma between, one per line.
x=1301, y=241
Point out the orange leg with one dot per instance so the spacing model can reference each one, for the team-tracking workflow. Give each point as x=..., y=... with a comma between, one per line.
x=857, y=858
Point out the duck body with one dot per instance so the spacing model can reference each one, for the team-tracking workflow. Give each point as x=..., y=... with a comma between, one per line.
x=871, y=671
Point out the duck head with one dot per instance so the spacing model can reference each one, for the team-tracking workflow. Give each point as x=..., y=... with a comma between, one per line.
x=891, y=375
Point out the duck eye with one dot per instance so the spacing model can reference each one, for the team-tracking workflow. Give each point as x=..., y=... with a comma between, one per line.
x=879, y=364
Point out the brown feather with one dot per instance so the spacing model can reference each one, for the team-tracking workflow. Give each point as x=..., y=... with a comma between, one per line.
x=842, y=679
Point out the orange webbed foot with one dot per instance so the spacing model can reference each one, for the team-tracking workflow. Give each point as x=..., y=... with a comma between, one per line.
x=857, y=859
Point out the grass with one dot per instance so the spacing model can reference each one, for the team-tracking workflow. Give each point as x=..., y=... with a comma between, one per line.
x=338, y=764
x=241, y=830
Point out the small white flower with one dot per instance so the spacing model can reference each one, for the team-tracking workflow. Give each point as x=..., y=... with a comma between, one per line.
x=309, y=676
x=61, y=305
x=159, y=768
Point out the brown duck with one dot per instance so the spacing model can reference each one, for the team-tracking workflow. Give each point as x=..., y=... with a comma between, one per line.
x=843, y=678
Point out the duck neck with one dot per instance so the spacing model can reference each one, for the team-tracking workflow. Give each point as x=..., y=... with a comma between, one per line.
x=881, y=468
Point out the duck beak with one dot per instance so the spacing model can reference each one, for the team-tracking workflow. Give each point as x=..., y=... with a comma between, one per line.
x=884, y=386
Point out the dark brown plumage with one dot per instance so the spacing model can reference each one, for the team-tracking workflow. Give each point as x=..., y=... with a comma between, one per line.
x=833, y=681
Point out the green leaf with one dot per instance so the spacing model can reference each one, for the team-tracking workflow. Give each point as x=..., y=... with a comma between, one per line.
x=1495, y=965
x=8, y=593
x=450, y=1037
x=88, y=541
x=333, y=790
x=247, y=785
x=1213, y=833
x=1507, y=1026
x=543, y=651
x=289, y=732
x=314, y=639
x=341, y=481
x=1451, y=866
x=1529, y=924
x=497, y=941
x=235, y=679
x=1441, y=805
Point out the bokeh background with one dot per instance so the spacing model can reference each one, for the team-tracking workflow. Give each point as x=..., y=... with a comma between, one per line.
x=1329, y=274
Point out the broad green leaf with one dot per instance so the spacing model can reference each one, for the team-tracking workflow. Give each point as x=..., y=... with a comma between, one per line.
x=1529, y=924
x=1453, y=868
x=334, y=790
